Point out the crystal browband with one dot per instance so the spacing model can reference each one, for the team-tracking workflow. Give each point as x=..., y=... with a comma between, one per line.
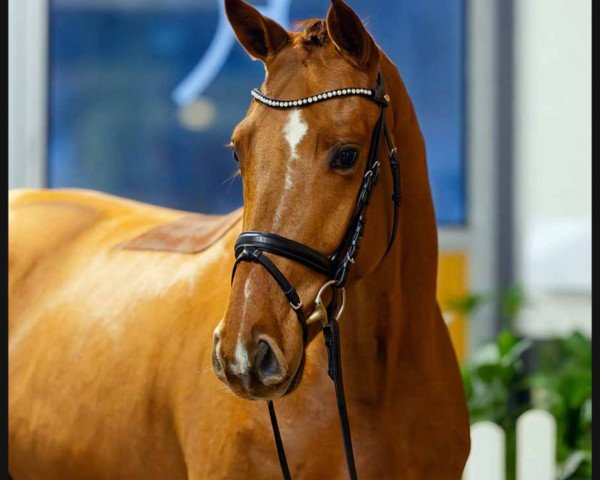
x=372, y=94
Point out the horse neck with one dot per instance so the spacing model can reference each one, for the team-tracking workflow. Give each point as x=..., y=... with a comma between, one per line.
x=393, y=322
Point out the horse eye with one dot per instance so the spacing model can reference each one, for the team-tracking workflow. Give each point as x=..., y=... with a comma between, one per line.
x=344, y=158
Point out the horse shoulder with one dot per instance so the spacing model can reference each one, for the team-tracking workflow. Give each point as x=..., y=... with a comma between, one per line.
x=138, y=320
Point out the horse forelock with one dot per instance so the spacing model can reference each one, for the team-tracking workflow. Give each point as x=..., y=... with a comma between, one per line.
x=311, y=32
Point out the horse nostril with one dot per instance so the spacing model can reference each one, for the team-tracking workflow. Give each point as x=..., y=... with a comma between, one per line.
x=217, y=364
x=267, y=364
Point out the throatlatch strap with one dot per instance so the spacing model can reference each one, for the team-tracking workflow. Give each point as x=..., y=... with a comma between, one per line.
x=397, y=185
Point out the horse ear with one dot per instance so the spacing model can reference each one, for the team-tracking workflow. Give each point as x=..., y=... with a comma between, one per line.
x=259, y=35
x=349, y=35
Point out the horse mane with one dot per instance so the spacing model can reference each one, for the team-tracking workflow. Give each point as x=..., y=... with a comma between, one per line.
x=311, y=32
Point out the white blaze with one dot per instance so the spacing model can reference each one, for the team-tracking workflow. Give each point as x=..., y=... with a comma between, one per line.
x=247, y=291
x=294, y=131
x=241, y=365
x=241, y=361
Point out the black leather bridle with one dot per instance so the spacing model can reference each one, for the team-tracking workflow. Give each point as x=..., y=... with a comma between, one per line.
x=251, y=246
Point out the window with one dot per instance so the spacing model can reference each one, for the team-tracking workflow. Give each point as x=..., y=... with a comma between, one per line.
x=144, y=94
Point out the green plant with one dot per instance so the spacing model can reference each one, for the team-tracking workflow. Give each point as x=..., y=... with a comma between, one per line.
x=499, y=386
x=511, y=300
x=494, y=380
x=562, y=384
x=493, y=376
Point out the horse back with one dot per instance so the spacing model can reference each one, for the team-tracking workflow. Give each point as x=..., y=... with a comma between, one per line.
x=48, y=228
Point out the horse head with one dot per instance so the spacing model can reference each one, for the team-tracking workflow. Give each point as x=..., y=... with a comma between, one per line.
x=302, y=169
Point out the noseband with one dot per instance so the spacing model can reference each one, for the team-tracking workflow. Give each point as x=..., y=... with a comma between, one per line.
x=250, y=247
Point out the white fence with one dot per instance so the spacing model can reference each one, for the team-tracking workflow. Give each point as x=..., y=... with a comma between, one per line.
x=536, y=449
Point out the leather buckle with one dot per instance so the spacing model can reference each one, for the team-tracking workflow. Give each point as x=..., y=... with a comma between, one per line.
x=376, y=169
x=381, y=97
x=394, y=156
x=298, y=306
x=253, y=252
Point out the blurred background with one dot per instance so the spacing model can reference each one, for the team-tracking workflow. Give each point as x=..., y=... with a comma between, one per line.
x=138, y=98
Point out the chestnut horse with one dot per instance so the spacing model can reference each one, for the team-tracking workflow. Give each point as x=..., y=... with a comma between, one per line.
x=110, y=348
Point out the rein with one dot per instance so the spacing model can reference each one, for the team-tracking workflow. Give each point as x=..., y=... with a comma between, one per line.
x=251, y=246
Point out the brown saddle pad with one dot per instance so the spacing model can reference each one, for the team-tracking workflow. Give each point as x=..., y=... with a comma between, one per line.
x=189, y=234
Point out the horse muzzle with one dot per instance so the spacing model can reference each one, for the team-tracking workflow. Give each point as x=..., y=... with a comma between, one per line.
x=257, y=370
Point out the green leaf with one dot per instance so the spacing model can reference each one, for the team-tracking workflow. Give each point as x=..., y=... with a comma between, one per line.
x=516, y=352
x=466, y=304
x=571, y=464
x=489, y=372
x=512, y=301
x=586, y=412
x=506, y=341
x=486, y=354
